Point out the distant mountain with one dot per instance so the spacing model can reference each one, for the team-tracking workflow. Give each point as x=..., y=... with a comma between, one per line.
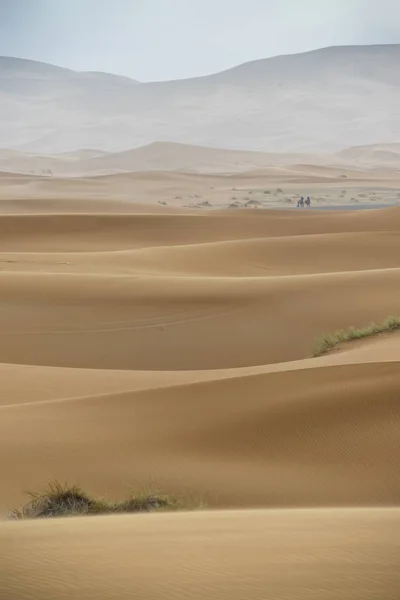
x=31, y=69
x=317, y=101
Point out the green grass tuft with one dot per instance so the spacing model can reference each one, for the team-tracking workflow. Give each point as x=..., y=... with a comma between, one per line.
x=68, y=501
x=331, y=340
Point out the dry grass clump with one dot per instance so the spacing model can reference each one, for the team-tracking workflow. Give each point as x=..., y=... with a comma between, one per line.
x=69, y=501
x=332, y=340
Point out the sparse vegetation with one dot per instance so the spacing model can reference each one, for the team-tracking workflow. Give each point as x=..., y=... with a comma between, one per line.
x=331, y=340
x=68, y=501
x=279, y=191
x=267, y=192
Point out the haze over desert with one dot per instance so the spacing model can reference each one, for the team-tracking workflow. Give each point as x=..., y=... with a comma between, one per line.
x=168, y=318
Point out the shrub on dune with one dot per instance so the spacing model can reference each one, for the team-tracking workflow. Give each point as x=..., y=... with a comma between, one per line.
x=65, y=501
x=331, y=340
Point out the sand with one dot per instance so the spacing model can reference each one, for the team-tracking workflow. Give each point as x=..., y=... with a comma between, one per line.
x=285, y=555
x=175, y=178
x=150, y=344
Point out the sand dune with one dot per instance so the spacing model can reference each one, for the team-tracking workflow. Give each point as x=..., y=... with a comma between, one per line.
x=173, y=178
x=185, y=158
x=165, y=156
x=289, y=555
x=174, y=348
x=256, y=257
x=373, y=154
x=298, y=441
x=103, y=232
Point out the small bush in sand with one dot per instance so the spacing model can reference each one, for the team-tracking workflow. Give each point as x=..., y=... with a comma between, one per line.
x=332, y=340
x=70, y=501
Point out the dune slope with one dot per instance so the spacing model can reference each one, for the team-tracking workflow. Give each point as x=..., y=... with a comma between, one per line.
x=285, y=555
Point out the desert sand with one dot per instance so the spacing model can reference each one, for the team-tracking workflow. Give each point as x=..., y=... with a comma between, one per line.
x=176, y=178
x=152, y=339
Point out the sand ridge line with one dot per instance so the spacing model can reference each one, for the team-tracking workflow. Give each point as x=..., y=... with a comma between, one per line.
x=192, y=378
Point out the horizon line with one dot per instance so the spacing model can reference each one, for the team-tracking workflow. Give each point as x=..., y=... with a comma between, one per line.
x=214, y=73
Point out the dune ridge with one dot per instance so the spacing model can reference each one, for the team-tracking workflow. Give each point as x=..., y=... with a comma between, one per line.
x=171, y=157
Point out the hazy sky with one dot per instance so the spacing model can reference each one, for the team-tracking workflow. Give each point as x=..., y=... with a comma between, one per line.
x=169, y=39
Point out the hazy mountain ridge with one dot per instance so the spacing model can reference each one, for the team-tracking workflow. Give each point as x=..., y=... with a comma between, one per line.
x=318, y=101
x=11, y=67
